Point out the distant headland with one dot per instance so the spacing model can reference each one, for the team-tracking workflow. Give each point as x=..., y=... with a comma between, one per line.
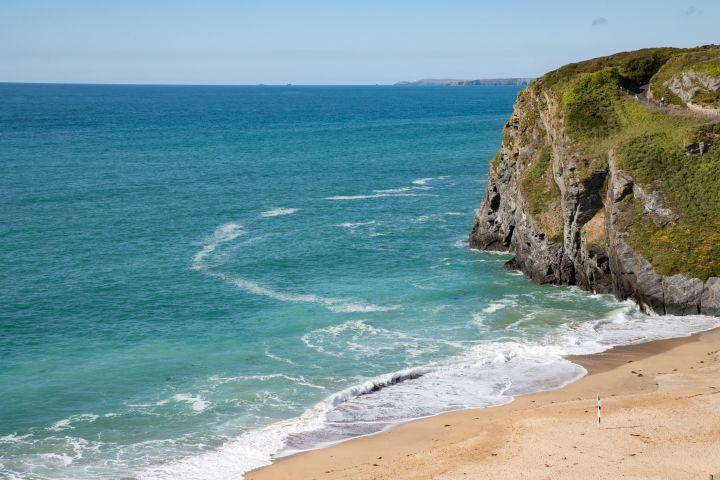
x=463, y=83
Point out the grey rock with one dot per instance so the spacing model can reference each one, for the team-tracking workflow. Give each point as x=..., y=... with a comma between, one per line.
x=682, y=295
x=620, y=186
x=696, y=148
x=710, y=300
x=688, y=83
x=654, y=205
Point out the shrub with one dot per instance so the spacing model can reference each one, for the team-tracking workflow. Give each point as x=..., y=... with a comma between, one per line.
x=589, y=105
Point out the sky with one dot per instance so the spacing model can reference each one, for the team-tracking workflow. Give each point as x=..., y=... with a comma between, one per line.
x=329, y=42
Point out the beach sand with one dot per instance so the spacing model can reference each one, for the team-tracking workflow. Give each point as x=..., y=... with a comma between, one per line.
x=661, y=420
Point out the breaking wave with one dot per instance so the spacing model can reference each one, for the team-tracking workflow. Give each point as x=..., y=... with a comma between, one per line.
x=222, y=234
x=484, y=374
x=415, y=190
x=277, y=212
x=375, y=195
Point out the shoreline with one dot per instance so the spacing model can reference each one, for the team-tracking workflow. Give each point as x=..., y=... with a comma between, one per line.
x=543, y=435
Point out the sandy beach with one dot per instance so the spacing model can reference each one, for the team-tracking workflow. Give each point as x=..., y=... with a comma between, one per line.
x=661, y=420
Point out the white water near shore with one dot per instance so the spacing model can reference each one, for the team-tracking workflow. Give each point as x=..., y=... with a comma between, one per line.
x=484, y=374
x=487, y=374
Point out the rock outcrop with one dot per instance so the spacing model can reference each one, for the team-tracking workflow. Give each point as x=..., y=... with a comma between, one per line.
x=687, y=84
x=576, y=230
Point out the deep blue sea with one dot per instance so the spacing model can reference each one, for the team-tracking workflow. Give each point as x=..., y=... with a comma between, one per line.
x=197, y=279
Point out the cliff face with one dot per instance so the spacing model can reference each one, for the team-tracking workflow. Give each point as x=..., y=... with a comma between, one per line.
x=573, y=195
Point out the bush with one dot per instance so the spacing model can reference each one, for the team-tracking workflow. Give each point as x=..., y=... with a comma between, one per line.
x=638, y=70
x=538, y=187
x=589, y=105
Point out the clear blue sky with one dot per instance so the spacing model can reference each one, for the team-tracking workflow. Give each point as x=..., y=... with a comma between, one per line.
x=329, y=42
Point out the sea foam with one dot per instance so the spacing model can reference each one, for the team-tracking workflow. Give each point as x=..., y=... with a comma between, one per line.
x=222, y=234
x=277, y=212
x=228, y=232
x=485, y=374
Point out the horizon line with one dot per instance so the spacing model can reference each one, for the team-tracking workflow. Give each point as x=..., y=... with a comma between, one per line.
x=400, y=83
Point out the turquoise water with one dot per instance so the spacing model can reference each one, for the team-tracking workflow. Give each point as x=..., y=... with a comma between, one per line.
x=195, y=279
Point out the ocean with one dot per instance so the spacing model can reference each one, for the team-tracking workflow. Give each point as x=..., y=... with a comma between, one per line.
x=198, y=279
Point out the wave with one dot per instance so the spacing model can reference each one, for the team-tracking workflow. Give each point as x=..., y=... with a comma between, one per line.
x=277, y=212
x=485, y=374
x=426, y=180
x=494, y=307
x=15, y=438
x=407, y=191
x=255, y=449
x=353, y=225
x=222, y=234
x=375, y=195
x=67, y=423
x=360, y=340
x=422, y=181
x=232, y=230
x=196, y=402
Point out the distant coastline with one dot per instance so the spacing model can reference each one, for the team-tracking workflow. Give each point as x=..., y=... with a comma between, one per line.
x=462, y=83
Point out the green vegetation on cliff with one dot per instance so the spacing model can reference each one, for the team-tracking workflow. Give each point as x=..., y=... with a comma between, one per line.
x=590, y=104
x=691, y=189
x=635, y=68
x=537, y=181
x=702, y=60
x=649, y=144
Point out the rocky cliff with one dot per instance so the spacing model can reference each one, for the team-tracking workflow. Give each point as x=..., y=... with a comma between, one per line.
x=598, y=187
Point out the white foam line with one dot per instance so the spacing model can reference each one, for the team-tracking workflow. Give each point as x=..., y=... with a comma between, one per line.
x=353, y=225
x=196, y=402
x=232, y=230
x=332, y=304
x=254, y=449
x=222, y=234
x=269, y=354
x=491, y=252
x=422, y=181
x=411, y=191
x=394, y=190
x=277, y=212
x=426, y=180
x=513, y=367
x=493, y=307
x=375, y=195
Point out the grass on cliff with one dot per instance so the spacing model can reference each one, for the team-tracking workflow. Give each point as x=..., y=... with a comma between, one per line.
x=603, y=118
x=691, y=189
x=636, y=68
x=702, y=60
x=543, y=194
x=690, y=247
x=538, y=182
x=649, y=144
x=589, y=105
